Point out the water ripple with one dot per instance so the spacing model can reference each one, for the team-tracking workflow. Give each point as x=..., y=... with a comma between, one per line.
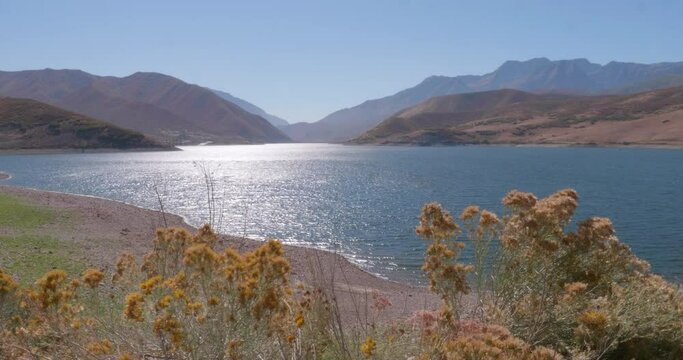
x=363, y=201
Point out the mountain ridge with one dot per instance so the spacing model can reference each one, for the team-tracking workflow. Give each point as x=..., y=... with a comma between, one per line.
x=517, y=117
x=159, y=105
x=249, y=107
x=576, y=76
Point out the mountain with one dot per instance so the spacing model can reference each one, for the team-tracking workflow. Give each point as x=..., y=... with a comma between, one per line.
x=249, y=107
x=578, y=76
x=158, y=105
x=518, y=117
x=29, y=124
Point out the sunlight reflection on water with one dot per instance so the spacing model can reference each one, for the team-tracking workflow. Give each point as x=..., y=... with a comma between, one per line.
x=365, y=200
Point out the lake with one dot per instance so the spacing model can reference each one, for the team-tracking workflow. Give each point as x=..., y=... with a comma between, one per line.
x=364, y=200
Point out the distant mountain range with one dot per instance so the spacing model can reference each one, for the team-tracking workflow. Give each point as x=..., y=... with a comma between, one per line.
x=249, y=107
x=539, y=75
x=157, y=105
x=518, y=117
x=29, y=124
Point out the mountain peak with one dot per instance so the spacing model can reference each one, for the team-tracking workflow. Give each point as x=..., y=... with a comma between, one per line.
x=156, y=104
x=517, y=63
x=539, y=75
x=150, y=75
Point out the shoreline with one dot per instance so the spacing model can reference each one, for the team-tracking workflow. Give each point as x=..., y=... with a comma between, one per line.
x=530, y=145
x=82, y=151
x=102, y=229
x=186, y=224
x=10, y=152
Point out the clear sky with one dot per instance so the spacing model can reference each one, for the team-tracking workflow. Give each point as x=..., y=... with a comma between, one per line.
x=304, y=59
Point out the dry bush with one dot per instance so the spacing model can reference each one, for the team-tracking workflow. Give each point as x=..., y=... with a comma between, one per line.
x=582, y=292
x=541, y=293
x=186, y=300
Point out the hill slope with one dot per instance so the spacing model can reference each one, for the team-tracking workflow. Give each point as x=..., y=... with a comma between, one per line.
x=517, y=117
x=578, y=76
x=158, y=105
x=249, y=107
x=29, y=124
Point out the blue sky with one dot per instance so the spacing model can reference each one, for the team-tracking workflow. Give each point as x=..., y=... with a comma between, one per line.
x=304, y=59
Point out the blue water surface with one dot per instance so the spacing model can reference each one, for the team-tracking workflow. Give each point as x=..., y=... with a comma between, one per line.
x=364, y=200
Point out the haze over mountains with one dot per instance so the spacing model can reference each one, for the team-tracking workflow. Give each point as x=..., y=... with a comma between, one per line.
x=249, y=107
x=518, y=117
x=158, y=105
x=578, y=76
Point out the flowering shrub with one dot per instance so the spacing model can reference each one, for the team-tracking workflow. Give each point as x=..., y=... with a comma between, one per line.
x=581, y=292
x=535, y=291
x=185, y=301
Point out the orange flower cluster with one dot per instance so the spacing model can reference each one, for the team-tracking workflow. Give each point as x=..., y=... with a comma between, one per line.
x=92, y=277
x=124, y=265
x=368, y=347
x=53, y=291
x=133, y=309
x=519, y=200
x=189, y=285
x=7, y=283
x=436, y=223
x=539, y=280
x=593, y=319
x=447, y=277
x=469, y=212
x=102, y=347
x=479, y=341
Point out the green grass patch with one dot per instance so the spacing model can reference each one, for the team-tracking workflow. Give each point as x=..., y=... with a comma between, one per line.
x=28, y=257
x=18, y=215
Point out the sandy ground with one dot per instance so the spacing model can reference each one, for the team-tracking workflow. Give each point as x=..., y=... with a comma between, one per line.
x=102, y=229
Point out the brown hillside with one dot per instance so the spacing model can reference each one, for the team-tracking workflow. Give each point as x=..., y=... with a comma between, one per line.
x=516, y=117
x=29, y=124
x=158, y=105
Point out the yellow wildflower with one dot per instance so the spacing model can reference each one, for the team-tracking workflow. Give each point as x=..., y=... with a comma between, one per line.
x=299, y=320
x=488, y=218
x=164, y=302
x=368, y=347
x=166, y=324
x=7, y=283
x=92, y=277
x=100, y=347
x=201, y=257
x=593, y=319
x=435, y=222
x=469, y=212
x=519, y=200
x=148, y=285
x=51, y=280
x=133, y=307
x=125, y=263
